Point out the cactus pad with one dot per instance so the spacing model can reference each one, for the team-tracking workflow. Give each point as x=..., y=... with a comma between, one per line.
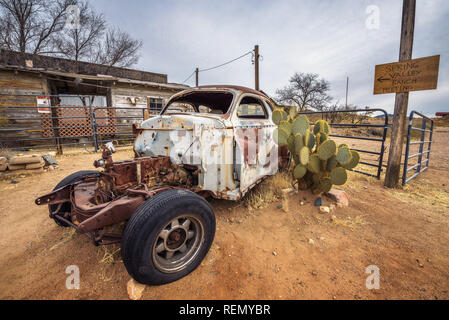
x=321, y=126
x=293, y=112
x=331, y=163
x=291, y=143
x=343, y=156
x=325, y=184
x=286, y=126
x=299, y=142
x=304, y=154
x=323, y=137
x=311, y=141
x=278, y=115
x=301, y=125
x=280, y=137
x=299, y=171
x=338, y=176
x=327, y=149
x=314, y=164
x=355, y=158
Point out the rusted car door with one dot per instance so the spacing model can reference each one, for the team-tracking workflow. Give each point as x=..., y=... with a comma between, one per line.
x=255, y=153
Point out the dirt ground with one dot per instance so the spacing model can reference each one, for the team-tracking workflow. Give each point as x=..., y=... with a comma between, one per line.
x=262, y=253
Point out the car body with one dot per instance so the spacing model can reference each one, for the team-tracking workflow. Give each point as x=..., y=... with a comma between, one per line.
x=212, y=141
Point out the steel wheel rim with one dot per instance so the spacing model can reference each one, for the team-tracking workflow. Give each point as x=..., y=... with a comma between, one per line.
x=177, y=244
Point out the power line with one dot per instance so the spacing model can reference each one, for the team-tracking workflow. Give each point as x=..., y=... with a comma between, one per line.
x=223, y=64
x=220, y=65
x=188, y=77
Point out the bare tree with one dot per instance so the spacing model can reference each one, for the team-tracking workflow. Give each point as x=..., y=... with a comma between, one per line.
x=28, y=25
x=80, y=41
x=306, y=90
x=39, y=27
x=118, y=49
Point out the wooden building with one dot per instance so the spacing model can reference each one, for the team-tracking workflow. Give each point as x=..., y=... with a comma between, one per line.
x=28, y=80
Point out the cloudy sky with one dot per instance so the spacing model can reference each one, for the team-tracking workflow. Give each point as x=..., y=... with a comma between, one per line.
x=327, y=37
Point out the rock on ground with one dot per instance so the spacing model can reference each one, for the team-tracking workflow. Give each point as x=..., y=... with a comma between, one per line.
x=338, y=196
x=135, y=289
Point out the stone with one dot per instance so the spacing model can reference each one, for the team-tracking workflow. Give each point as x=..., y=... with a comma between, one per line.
x=324, y=209
x=32, y=158
x=301, y=203
x=318, y=202
x=51, y=168
x=15, y=181
x=135, y=289
x=311, y=242
x=49, y=160
x=275, y=253
x=339, y=196
x=35, y=165
x=13, y=167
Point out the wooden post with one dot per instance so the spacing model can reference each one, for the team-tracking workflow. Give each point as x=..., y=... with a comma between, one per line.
x=401, y=101
x=256, y=66
x=347, y=87
x=196, y=77
x=54, y=102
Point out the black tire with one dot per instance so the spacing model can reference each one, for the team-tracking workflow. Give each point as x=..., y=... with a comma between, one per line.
x=142, y=239
x=66, y=206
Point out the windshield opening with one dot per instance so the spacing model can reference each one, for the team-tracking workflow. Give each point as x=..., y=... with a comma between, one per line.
x=214, y=102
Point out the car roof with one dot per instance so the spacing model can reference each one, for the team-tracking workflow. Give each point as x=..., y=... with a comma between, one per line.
x=240, y=88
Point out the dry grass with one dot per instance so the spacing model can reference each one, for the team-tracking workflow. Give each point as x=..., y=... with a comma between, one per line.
x=349, y=222
x=109, y=254
x=4, y=151
x=67, y=236
x=425, y=192
x=268, y=191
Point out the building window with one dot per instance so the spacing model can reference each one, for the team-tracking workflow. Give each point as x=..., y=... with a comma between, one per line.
x=155, y=104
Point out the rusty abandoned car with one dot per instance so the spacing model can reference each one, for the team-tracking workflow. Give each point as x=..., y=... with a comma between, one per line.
x=209, y=141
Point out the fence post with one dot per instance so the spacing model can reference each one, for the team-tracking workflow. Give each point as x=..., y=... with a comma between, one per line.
x=55, y=125
x=421, y=145
x=407, y=148
x=94, y=126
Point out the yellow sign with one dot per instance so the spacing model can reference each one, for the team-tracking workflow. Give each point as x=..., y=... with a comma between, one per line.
x=405, y=76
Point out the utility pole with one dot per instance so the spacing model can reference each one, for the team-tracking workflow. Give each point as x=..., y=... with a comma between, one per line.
x=256, y=66
x=347, y=86
x=196, y=77
x=401, y=100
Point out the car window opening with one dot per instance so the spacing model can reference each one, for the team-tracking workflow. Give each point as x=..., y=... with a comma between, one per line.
x=200, y=102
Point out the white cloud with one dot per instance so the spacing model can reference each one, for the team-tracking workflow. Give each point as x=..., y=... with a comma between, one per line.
x=326, y=37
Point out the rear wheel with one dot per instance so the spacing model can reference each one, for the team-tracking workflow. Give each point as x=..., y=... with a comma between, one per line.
x=167, y=237
x=66, y=207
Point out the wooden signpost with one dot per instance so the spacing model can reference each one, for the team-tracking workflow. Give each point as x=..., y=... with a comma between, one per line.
x=401, y=77
x=407, y=75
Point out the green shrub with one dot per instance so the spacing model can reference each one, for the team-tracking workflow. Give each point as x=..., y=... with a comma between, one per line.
x=319, y=163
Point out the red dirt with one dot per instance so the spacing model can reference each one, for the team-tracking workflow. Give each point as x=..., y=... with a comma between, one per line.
x=257, y=254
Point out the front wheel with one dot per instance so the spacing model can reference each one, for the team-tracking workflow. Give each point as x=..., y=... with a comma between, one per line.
x=167, y=237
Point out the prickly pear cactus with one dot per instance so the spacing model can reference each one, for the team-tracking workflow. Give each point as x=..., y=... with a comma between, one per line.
x=318, y=162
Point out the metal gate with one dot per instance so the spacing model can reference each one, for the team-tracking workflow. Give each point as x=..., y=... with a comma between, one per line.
x=377, y=152
x=26, y=124
x=425, y=134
